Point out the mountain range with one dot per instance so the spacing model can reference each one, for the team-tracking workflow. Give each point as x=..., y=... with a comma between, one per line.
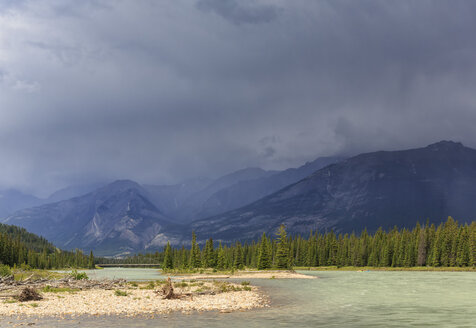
x=124, y=216
x=384, y=188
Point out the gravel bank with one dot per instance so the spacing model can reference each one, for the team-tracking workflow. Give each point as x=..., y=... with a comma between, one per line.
x=250, y=275
x=137, y=302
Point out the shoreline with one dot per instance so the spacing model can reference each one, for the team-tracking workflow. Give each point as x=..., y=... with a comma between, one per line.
x=269, y=274
x=403, y=269
x=133, y=299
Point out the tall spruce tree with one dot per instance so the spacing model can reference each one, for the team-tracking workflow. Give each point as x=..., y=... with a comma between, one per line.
x=221, y=261
x=91, y=261
x=194, y=253
x=264, y=256
x=238, y=262
x=282, y=249
x=168, y=260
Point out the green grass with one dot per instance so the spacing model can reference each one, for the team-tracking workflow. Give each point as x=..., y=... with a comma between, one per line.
x=36, y=274
x=150, y=285
x=118, y=292
x=34, y=305
x=49, y=289
x=9, y=301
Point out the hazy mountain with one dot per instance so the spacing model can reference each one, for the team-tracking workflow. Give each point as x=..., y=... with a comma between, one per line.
x=202, y=198
x=193, y=207
x=13, y=200
x=170, y=198
x=245, y=192
x=125, y=216
x=72, y=191
x=114, y=219
x=384, y=188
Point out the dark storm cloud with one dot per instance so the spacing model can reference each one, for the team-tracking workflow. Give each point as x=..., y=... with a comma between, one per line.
x=160, y=91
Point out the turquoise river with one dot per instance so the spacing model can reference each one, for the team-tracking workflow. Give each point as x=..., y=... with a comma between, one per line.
x=336, y=299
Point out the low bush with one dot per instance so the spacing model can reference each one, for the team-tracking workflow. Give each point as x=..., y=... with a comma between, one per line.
x=79, y=275
x=118, y=292
x=5, y=271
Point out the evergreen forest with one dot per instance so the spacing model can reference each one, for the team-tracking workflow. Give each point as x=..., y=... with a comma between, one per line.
x=449, y=244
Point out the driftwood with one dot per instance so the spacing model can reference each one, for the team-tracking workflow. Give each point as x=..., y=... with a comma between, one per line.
x=8, y=283
x=168, y=290
x=29, y=294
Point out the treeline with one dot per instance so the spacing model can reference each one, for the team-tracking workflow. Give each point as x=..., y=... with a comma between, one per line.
x=21, y=248
x=30, y=240
x=446, y=245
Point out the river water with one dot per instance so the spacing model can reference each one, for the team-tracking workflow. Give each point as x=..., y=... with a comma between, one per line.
x=336, y=299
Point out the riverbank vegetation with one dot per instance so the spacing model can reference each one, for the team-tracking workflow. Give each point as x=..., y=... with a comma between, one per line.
x=19, y=248
x=449, y=244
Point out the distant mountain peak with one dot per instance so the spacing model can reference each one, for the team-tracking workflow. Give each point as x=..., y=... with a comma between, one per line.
x=122, y=185
x=445, y=145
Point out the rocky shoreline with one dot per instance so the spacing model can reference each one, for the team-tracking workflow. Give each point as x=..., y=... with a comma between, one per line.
x=89, y=297
x=269, y=274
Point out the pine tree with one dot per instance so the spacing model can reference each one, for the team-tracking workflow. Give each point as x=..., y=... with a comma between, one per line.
x=91, y=261
x=238, y=262
x=282, y=250
x=264, y=257
x=472, y=244
x=168, y=260
x=220, y=258
x=422, y=248
x=194, y=253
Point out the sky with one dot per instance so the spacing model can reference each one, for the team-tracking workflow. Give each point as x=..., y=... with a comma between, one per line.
x=159, y=91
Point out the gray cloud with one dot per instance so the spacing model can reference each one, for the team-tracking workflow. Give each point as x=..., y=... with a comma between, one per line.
x=163, y=91
x=240, y=12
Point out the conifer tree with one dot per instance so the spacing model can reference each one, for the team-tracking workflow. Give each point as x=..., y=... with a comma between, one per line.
x=282, y=249
x=220, y=258
x=168, y=260
x=472, y=244
x=264, y=257
x=194, y=253
x=238, y=262
x=91, y=261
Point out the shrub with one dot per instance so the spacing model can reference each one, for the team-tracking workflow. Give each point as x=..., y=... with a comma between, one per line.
x=118, y=292
x=245, y=283
x=25, y=267
x=150, y=285
x=5, y=271
x=79, y=275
